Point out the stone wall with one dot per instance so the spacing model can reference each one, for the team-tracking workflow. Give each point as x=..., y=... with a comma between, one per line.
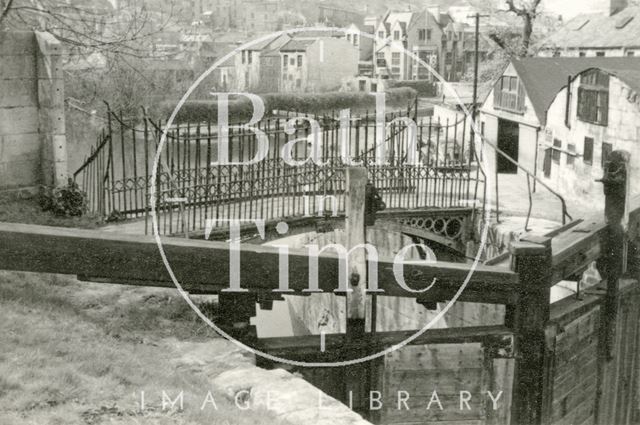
x=31, y=111
x=576, y=178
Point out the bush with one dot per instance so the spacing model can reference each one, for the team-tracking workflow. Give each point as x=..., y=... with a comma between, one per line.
x=67, y=200
x=311, y=103
x=422, y=87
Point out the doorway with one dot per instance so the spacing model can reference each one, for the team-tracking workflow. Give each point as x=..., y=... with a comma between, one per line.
x=509, y=143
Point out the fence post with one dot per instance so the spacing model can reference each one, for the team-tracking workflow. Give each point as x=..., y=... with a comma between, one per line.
x=531, y=259
x=357, y=386
x=612, y=263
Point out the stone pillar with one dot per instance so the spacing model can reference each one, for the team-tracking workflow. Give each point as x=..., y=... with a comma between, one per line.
x=49, y=55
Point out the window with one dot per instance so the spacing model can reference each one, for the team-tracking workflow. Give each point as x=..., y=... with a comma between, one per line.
x=593, y=97
x=508, y=94
x=380, y=34
x=355, y=39
x=244, y=56
x=582, y=54
x=571, y=155
x=362, y=85
x=607, y=148
x=374, y=87
x=298, y=82
x=249, y=56
x=395, y=58
x=285, y=61
x=429, y=35
x=448, y=58
x=600, y=54
x=555, y=155
x=299, y=61
x=422, y=35
x=292, y=61
x=631, y=53
x=396, y=35
x=349, y=37
x=587, y=153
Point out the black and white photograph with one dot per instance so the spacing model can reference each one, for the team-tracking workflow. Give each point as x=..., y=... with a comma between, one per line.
x=329, y=212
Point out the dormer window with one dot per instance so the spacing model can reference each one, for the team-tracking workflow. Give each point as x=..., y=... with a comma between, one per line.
x=508, y=94
x=380, y=34
x=396, y=35
x=593, y=97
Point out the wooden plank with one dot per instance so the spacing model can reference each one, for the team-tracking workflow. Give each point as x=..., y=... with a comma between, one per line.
x=423, y=382
x=355, y=231
x=563, y=229
x=391, y=213
x=203, y=266
x=501, y=380
x=451, y=409
x=528, y=319
x=301, y=345
x=575, y=250
x=502, y=259
x=428, y=235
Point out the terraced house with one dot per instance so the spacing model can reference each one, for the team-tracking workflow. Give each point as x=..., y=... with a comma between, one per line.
x=317, y=64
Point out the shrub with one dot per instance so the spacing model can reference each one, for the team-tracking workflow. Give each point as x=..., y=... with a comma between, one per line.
x=241, y=109
x=66, y=200
x=422, y=87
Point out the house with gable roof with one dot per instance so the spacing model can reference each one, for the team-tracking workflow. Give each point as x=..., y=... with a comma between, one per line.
x=560, y=118
x=257, y=67
x=417, y=32
x=315, y=64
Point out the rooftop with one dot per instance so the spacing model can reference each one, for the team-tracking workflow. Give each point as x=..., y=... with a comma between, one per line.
x=543, y=78
x=599, y=30
x=297, y=45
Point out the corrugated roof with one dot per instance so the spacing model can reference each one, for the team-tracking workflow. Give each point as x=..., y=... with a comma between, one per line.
x=599, y=30
x=543, y=78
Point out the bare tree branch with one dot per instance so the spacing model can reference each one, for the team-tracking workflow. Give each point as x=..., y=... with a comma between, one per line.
x=5, y=10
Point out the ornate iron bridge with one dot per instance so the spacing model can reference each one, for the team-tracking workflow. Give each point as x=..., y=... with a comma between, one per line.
x=194, y=193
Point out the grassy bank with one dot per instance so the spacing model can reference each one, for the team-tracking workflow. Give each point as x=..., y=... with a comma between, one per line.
x=29, y=211
x=80, y=353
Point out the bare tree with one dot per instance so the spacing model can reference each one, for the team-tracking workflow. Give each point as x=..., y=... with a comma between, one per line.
x=527, y=10
x=89, y=26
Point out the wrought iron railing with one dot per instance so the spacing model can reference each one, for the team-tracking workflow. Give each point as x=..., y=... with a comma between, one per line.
x=192, y=190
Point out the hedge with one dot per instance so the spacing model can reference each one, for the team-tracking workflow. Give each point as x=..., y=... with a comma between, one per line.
x=311, y=103
x=424, y=88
